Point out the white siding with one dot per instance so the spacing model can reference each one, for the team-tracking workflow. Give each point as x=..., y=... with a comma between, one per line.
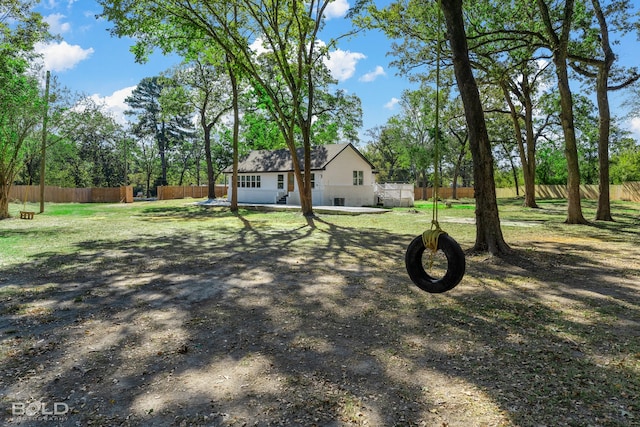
x=266, y=194
x=336, y=182
x=339, y=180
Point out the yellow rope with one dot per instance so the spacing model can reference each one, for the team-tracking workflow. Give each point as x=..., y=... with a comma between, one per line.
x=430, y=240
x=436, y=134
x=430, y=237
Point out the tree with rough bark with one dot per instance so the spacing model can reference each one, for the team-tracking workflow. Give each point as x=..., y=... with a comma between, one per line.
x=557, y=25
x=488, y=232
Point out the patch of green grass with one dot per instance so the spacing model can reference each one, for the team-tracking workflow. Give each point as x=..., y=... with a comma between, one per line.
x=63, y=226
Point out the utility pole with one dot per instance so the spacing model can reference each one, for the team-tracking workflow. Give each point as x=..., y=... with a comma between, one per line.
x=43, y=151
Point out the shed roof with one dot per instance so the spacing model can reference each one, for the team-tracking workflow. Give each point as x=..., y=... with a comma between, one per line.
x=280, y=160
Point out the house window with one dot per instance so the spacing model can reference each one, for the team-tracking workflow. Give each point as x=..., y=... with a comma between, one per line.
x=358, y=177
x=280, y=182
x=249, y=181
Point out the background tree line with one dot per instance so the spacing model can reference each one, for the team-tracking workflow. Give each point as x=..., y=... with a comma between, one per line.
x=178, y=133
x=253, y=77
x=528, y=59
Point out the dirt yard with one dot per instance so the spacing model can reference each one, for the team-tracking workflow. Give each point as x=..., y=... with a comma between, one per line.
x=318, y=325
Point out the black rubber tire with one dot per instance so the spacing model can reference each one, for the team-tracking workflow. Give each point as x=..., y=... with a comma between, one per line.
x=455, y=265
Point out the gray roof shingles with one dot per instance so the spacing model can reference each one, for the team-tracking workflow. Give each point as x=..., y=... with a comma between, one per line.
x=280, y=160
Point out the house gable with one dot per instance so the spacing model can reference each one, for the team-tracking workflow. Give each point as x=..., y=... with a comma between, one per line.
x=281, y=161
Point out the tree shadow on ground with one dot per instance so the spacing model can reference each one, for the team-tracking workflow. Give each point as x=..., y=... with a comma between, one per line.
x=317, y=325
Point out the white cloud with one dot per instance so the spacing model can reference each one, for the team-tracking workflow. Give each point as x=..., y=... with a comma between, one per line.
x=51, y=4
x=56, y=26
x=336, y=9
x=391, y=104
x=372, y=75
x=634, y=127
x=114, y=103
x=62, y=56
x=342, y=63
x=258, y=46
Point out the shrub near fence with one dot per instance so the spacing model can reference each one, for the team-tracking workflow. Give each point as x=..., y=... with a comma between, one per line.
x=31, y=193
x=180, y=192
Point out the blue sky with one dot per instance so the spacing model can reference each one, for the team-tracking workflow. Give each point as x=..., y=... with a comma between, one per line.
x=90, y=61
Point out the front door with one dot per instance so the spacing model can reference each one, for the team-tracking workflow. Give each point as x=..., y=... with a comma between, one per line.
x=290, y=182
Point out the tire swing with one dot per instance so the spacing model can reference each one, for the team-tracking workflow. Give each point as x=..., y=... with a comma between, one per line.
x=435, y=239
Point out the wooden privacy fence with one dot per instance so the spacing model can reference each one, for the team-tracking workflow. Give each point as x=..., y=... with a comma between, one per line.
x=629, y=191
x=422, y=193
x=626, y=191
x=31, y=193
x=180, y=192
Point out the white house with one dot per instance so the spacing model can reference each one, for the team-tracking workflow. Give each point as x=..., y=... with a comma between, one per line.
x=340, y=176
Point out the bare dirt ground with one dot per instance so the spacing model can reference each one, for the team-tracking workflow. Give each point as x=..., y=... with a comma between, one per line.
x=184, y=331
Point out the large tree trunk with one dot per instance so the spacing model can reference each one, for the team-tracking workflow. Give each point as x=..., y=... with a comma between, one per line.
x=488, y=232
x=306, y=198
x=301, y=174
x=574, y=210
x=529, y=170
x=236, y=137
x=4, y=200
x=211, y=191
x=162, y=147
x=456, y=169
x=525, y=150
x=604, y=199
x=559, y=46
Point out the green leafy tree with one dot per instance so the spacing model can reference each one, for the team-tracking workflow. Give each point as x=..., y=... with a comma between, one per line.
x=271, y=43
x=593, y=57
x=99, y=141
x=21, y=104
x=338, y=116
x=625, y=164
x=147, y=164
x=458, y=152
x=168, y=128
x=552, y=165
x=388, y=152
x=418, y=123
x=260, y=132
x=205, y=87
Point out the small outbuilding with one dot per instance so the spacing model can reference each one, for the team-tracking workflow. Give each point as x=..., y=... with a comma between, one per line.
x=340, y=176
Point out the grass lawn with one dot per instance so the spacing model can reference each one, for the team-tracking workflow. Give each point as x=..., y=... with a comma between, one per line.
x=170, y=313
